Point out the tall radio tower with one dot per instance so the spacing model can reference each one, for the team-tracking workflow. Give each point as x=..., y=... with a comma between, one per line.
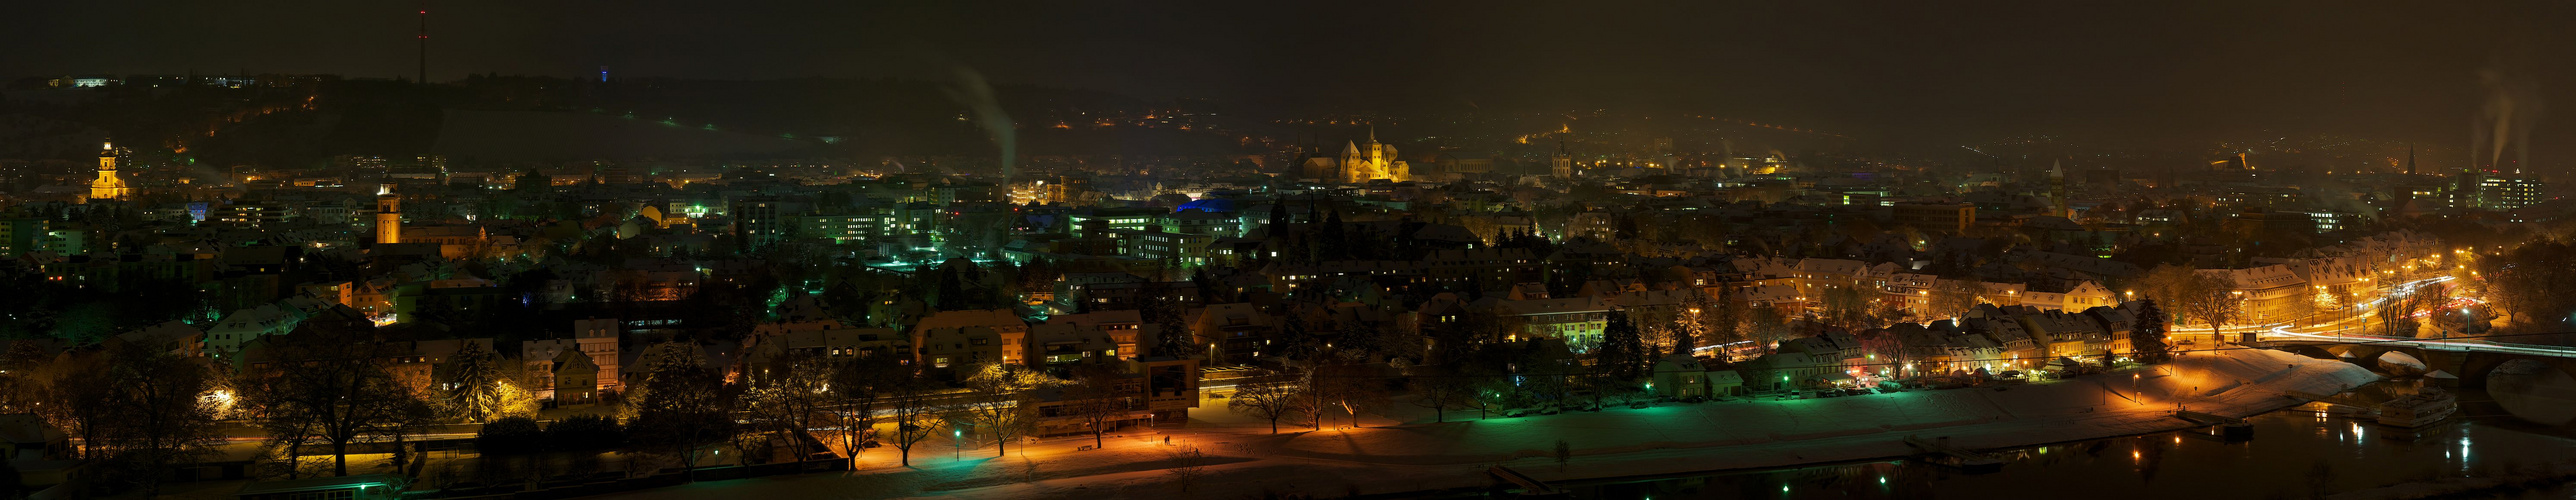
x=424, y=43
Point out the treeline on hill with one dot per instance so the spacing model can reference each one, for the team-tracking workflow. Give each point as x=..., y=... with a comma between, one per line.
x=304, y=124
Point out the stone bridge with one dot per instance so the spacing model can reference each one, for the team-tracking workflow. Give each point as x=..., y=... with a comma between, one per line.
x=2471, y=366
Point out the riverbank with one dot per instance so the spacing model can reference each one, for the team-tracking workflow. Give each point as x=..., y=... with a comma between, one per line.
x=1676, y=439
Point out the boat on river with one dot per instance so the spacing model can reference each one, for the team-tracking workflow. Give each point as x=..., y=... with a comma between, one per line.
x=2419, y=409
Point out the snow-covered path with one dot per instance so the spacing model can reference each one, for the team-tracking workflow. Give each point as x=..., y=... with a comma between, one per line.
x=1673, y=439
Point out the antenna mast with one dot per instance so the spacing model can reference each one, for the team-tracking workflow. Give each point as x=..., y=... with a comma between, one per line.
x=424, y=42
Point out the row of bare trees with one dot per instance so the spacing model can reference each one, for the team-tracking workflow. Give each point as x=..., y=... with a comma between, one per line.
x=2193, y=296
x=681, y=407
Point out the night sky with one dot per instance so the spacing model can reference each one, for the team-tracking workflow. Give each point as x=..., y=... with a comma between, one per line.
x=2399, y=70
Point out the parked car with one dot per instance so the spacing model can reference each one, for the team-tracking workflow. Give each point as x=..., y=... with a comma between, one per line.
x=1639, y=405
x=1519, y=412
x=1589, y=407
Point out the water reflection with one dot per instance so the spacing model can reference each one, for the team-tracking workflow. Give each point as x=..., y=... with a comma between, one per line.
x=2295, y=453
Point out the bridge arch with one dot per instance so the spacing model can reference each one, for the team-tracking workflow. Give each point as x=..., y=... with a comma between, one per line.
x=2313, y=351
x=2534, y=390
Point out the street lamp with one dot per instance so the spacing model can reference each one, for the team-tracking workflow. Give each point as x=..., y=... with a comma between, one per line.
x=957, y=440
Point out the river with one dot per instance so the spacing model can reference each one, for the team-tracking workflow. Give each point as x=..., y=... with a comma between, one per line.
x=2294, y=454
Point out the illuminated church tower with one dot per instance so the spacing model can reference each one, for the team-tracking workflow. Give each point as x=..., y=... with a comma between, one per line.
x=1561, y=166
x=388, y=215
x=108, y=186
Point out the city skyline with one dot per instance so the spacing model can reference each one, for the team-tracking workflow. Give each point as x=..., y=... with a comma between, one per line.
x=656, y=250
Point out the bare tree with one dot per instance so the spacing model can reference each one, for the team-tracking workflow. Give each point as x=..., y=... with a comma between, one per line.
x=78, y=406
x=1846, y=302
x=2192, y=294
x=1727, y=324
x=915, y=419
x=151, y=412
x=1349, y=385
x=1766, y=326
x=1440, y=388
x=1886, y=348
x=2396, y=312
x=860, y=383
x=329, y=384
x=2214, y=305
x=997, y=402
x=1188, y=466
x=785, y=402
x=1951, y=298
x=1100, y=394
x=1270, y=397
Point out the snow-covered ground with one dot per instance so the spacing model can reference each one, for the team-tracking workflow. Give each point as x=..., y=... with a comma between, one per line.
x=1399, y=449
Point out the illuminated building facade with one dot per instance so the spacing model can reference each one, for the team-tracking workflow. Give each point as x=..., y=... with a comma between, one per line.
x=1359, y=164
x=108, y=186
x=2508, y=192
x=388, y=215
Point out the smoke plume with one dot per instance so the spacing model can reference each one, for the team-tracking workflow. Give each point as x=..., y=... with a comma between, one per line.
x=977, y=96
x=2513, y=105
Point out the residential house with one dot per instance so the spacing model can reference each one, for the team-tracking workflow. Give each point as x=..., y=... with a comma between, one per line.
x=957, y=338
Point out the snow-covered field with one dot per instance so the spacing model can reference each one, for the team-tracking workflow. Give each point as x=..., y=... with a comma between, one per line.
x=1401, y=450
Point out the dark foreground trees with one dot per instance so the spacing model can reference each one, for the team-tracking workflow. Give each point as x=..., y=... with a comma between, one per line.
x=683, y=406
x=1269, y=398
x=328, y=386
x=2147, y=338
x=145, y=409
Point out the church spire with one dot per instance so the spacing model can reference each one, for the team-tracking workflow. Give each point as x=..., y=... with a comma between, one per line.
x=108, y=186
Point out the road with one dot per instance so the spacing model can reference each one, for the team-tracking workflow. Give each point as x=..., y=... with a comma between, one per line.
x=2344, y=327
